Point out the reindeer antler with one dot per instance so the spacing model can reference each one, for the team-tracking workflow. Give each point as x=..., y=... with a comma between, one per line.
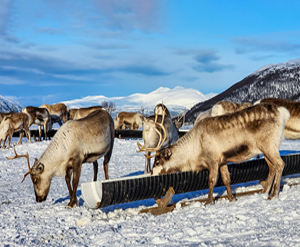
x=181, y=115
x=20, y=156
x=161, y=141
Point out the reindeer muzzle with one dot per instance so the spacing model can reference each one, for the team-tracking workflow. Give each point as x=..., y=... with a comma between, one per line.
x=40, y=198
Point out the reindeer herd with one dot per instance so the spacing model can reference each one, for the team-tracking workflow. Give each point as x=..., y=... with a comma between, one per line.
x=228, y=132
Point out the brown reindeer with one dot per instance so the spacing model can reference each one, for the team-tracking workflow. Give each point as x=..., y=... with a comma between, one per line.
x=131, y=120
x=215, y=141
x=58, y=112
x=12, y=123
x=39, y=116
x=76, y=142
x=292, y=126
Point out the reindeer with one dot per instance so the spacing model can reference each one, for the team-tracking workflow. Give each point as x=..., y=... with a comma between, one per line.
x=76, y=142
x=292, y=126
x=58, y=112
x=83, y=112
x=154, y=127
x=39, y=116
x=12, y=123
x=234, y=137
x=221, y=108
x=132, y=120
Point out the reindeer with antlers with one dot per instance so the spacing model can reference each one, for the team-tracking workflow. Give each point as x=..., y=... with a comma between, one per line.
x=76, y=142
x=159, y=131
x=215, y=141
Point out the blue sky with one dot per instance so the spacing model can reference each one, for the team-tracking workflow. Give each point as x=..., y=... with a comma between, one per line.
x=52, y=51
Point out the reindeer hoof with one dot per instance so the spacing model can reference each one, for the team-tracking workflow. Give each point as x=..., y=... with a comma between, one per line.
x=71, y=205
x=232, y=199
x=209, y=203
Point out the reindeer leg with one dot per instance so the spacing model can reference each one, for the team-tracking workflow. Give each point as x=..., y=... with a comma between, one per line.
x=147, y=164
x=226, y=180
x=212, y=179
x=27, y=132
x=4, y=140
x=21, y=136
x=270, y=179
x=45, y=129
x=76, y=175
x=9, y=140
x=105, y=163
x=95, y=165
x=40, y=133
x=3, y=146
x=275, y=160
x=68, y=180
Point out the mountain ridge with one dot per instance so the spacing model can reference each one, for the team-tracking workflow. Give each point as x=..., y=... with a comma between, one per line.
x=274, y=80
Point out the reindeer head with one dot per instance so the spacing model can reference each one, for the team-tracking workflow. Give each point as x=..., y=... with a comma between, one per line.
x=156, y=126
x=161, y=109
x=41, y=182
x=160, y=159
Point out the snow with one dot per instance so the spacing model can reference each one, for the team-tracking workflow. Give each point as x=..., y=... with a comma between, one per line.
x=8, y=104
x=176, y=97
x=249, y=221
x=279, y=66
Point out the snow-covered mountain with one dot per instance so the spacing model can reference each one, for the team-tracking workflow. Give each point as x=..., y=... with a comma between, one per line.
x=275, y=80
x=7, y=105
x=176, y=99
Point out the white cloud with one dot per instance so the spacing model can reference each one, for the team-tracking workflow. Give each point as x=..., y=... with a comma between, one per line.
x=4, y=80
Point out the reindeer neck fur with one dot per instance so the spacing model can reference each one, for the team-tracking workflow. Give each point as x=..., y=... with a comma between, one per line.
x=56, y=152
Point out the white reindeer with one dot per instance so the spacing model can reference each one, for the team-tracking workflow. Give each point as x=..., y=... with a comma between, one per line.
x=154, y=127
x=234, y=137
x=131, y=120
x=76, y=142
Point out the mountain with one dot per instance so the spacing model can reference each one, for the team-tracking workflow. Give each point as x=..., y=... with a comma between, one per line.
x=7, y=105
x=275, y=80
x=176, y=99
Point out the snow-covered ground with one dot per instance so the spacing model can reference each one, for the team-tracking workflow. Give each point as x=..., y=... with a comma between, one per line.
x=249, y=221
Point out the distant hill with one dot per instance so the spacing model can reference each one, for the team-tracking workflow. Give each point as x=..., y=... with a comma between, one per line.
x=275, y=80
x=7, y=105
x=176, y=99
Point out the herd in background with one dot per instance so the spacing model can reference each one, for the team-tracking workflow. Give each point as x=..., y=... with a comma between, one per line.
x=228, y=132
